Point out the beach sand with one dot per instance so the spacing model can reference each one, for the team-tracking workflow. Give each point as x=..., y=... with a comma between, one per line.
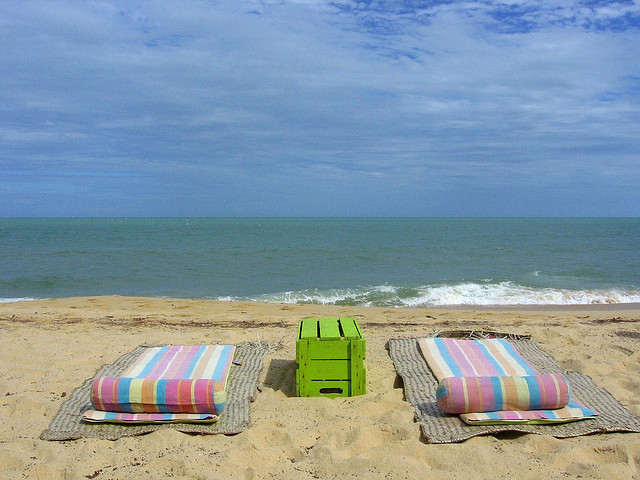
x=50, y=347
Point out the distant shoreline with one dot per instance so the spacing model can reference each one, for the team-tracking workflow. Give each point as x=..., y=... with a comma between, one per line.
x=484, y=308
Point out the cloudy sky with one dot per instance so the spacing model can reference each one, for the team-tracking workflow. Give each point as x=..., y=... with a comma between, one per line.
x=314, y=108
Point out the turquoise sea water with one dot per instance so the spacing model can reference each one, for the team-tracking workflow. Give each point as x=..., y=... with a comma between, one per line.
x=348, y=261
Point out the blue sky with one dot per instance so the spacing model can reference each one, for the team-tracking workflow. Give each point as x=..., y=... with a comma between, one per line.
x=314, y=108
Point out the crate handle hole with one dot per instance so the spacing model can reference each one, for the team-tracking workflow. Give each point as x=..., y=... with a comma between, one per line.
x=331, y=391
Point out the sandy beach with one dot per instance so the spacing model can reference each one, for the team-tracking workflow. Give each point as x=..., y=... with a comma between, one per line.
x=50, y=347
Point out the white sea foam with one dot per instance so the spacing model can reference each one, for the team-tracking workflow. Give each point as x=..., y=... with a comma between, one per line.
x=507, y=293
x=503, y=293
x=11, y=300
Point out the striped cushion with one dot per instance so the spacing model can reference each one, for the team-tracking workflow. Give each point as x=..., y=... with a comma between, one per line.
x=448, y=357
x=171, y=383
x=490, y=394
x=144, y=395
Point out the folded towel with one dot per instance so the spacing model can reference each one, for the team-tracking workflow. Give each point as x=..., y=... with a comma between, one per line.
x=490, y=394
x=97, y=416
x=171, y=383
x=448, y=357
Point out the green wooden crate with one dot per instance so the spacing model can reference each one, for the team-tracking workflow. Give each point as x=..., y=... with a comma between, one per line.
x=330, y=355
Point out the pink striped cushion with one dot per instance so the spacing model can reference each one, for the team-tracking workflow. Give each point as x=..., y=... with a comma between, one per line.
x=497, y=393
x=138, y=395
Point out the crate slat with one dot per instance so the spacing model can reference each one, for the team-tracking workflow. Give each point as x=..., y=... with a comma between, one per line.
x=329, y=329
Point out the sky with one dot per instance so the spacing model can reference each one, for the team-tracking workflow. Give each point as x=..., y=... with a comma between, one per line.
x=319, y=108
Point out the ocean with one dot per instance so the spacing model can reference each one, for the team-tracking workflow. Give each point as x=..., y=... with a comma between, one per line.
x=392, y=262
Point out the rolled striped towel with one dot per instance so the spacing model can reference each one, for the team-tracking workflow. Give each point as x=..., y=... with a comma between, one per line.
x=497, y=393
x=144, y=395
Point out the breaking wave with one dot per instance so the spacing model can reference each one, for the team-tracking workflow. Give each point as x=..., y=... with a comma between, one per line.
x=11, y=300
x=480, y=294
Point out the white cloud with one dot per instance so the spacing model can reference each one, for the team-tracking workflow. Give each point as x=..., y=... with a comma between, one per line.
x=482, y=93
